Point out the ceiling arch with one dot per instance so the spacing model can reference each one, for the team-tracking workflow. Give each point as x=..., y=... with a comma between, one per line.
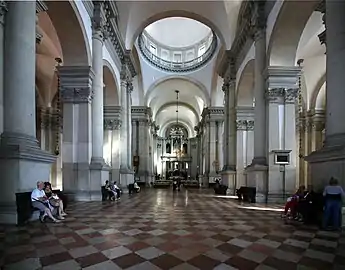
x=165, y=126
x=181, y=103
x=317, y=91
x=111, y=91
x=245, y=87
x=292, y=19
x=183, y=81
x=71, y=32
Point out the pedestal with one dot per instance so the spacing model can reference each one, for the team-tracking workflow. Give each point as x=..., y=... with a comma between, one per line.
x=126, y=178
x=22, y=164
x=257, y=177
x=229, y=179
x=99, y=174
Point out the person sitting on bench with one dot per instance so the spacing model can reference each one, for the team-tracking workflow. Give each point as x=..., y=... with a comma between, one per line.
x=292, y=202
x=111, y=194
x=116, y=190
x=54, y=200
x=39, y=200
x=136, y=187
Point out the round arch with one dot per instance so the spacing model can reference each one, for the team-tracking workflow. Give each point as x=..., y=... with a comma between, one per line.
x=71, y=33
x=317, y=92
x=287, y=30
x=168, y=124
x=111, y=93
x=245, y=87
x=174, y=13
x=204, y=93
x=181, y=103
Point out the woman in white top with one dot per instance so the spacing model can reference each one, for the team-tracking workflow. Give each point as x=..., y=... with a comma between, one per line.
x=333, y=194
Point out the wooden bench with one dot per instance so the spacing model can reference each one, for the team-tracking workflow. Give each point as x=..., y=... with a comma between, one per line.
x=191, y=184
x=220, y=189
x=246, y=194
x=25, y=208
x=162, y=184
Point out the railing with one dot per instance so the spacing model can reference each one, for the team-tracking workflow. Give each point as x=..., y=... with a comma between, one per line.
x=174, y=66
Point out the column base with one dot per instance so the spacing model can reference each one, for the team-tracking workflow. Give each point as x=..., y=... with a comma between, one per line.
x=257, y=177
x=326, y=163
x=144, y=176
x=126, y=178
x=205, y=181
x=229, y=179
x=99, y=174
x=22, y=164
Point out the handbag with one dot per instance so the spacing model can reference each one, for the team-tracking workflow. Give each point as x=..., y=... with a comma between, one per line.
x=54, y=202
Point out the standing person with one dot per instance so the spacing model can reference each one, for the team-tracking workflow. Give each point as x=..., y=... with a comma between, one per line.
x=333, y=194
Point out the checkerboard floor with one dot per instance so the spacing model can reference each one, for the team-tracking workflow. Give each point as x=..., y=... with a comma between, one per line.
x=159, y=229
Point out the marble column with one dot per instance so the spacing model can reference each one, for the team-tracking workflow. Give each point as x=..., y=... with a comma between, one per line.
x=99, y=170
x=126, y=172
x=112, y=128
x=124, y=129
x=257, y=170
x=76, y=96
x=281, y=97
x=129, y=126
x=245, y=148
x=329, y=161
x=3, y=9
x=22, y=162
x=229, y=169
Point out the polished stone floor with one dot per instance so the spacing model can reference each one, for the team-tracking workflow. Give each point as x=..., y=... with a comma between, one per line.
x=157, y=229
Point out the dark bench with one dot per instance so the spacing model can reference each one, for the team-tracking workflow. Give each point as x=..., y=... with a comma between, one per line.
x=162, y=184
x=25, y=209
x=220, y=189
x=246, y=194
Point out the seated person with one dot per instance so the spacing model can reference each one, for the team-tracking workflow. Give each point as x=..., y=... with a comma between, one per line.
x=54, y=200
x=292, y=202
x=136, y=187
x=39, y=200
x=107, y=187
x=116, y=190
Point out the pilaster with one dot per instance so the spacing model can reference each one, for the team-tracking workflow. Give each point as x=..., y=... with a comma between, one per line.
x=142, y=122
x=76, y=96
x=111, y=148
x=245, y=143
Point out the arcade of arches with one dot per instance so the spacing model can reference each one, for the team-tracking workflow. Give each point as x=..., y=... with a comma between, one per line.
x=92, y=96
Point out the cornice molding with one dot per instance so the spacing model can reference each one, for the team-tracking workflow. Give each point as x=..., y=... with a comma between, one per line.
x=76, y=84
x=113, y=35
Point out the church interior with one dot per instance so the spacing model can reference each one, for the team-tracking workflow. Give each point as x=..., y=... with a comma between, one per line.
x=157, y=94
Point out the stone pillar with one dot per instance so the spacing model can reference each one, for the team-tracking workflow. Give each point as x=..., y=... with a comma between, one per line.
x=245, y=148
x=126, y=173
x=317, y=128
x=76, y=96
x=282, y=96
x=257, y=170
x=329, y=161
x=22, y=162
x=112, y=128
x=129, y=126
x=229, y=169
x=3, y=9
x=98, y=169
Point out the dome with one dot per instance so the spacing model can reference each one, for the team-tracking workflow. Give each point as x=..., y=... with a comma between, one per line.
x=178, y=32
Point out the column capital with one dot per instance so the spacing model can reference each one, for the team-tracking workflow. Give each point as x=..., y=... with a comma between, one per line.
x=258, y=20
x=245, y=124
x=49, y=118
x=76, y=84
x=112, y=124
x=99, y=21
x=3, y=10
x=129, y=87
x=282, y=95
